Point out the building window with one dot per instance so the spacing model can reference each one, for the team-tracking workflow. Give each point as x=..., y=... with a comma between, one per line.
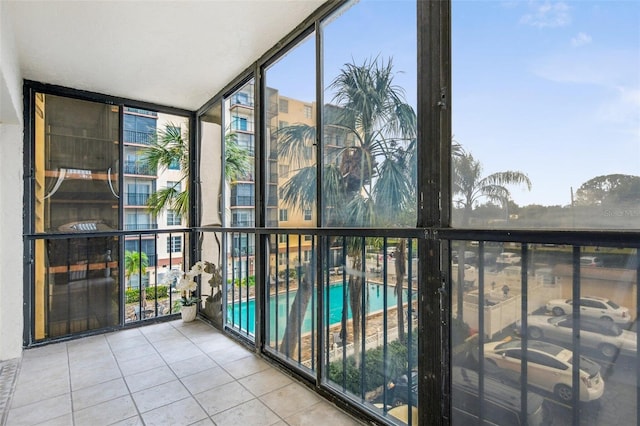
x=284, y=215
x=242, y=219
x=308, y=111
x=239, y=123
x=283, y=105
x=307, y=214
x=282, y=238
x=283, y=124
x=173, y=218
x=175, y=185
x=174, y=244
x=174, y=165
x=241, y=98
x=139, y=129
x=308, y=238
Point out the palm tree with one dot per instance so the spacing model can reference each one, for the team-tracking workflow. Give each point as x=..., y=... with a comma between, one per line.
x=135, y=262
x=472, y=186
x=172, y=147
x=369, y=179
x=469, y=183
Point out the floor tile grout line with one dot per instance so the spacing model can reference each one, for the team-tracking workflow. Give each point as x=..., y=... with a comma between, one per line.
x=73, y=413
x=193, y=396
x=12, y=368
x=182, y=331
x=122, y=375
x=255, y=397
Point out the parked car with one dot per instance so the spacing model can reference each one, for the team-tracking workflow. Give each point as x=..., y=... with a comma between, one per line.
x=508, y=258
x=603, y=335
x=590, y=261
x=401, y=412
x=592, y=307
x=501, y=401
x=549, y=367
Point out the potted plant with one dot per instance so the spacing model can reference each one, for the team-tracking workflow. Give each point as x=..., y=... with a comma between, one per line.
x=188, y=301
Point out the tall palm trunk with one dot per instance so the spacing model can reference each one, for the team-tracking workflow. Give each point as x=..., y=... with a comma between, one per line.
x=355, y=302
x=297, y=311
x=400, y=274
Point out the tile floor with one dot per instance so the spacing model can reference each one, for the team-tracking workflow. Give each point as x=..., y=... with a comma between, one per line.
x=172, y=373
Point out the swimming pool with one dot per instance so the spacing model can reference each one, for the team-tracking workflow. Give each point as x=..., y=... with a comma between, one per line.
x=242, y=314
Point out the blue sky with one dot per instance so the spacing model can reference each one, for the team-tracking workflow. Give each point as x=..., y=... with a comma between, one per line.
x=549, y=88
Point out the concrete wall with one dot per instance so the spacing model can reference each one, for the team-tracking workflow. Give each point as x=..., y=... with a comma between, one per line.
x=11, y=148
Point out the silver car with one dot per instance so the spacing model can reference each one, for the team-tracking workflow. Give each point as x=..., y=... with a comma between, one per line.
x=549, y=368
x=603, y=335
x=593, y=307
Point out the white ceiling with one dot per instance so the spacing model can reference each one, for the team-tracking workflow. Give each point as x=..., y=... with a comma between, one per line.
x=177, y=53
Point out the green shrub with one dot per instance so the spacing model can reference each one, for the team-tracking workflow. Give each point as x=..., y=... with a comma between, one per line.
x=132, y=295
x=374, y=367
x=243, y=282
x=161, y=290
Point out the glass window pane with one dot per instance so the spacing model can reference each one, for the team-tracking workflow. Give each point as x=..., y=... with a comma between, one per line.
x=492, y=300
x=535, y=111
x=76, y=165
x=80, y=288
x=369, y=121
x=291, y=193
x=239, y=161
x=153, y=184
x=291, y=136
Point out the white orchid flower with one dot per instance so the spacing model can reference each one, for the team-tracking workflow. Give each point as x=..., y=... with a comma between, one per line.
x=187, y=283
x=198, y=267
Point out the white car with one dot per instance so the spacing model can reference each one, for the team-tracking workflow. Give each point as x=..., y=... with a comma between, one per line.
x=603, y=335
x=593, y=307
x=508, y=258
x=591, y=261
x=549, y=367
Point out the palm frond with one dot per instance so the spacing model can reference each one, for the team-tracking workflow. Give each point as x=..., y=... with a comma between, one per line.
x=237, y=160
x=160, y=199
x=296, y=143
x=392, y=188
x=359, y=211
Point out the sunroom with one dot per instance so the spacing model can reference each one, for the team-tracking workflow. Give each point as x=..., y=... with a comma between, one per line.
x=314, y=203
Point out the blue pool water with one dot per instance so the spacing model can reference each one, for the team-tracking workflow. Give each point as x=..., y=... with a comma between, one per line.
x=242, y=313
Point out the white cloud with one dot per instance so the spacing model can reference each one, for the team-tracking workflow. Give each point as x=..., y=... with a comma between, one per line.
x=623, y=109
x=580, y=40
x=613, y=74
x=547, y=15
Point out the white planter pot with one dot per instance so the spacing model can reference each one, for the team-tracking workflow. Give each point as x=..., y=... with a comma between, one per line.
x=188, y=313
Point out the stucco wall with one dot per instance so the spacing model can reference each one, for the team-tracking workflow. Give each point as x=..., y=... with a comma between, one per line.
x=11, y=203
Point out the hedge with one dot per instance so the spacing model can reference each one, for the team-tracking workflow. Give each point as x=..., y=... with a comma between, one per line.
x=374, y=367
x=132, y=295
